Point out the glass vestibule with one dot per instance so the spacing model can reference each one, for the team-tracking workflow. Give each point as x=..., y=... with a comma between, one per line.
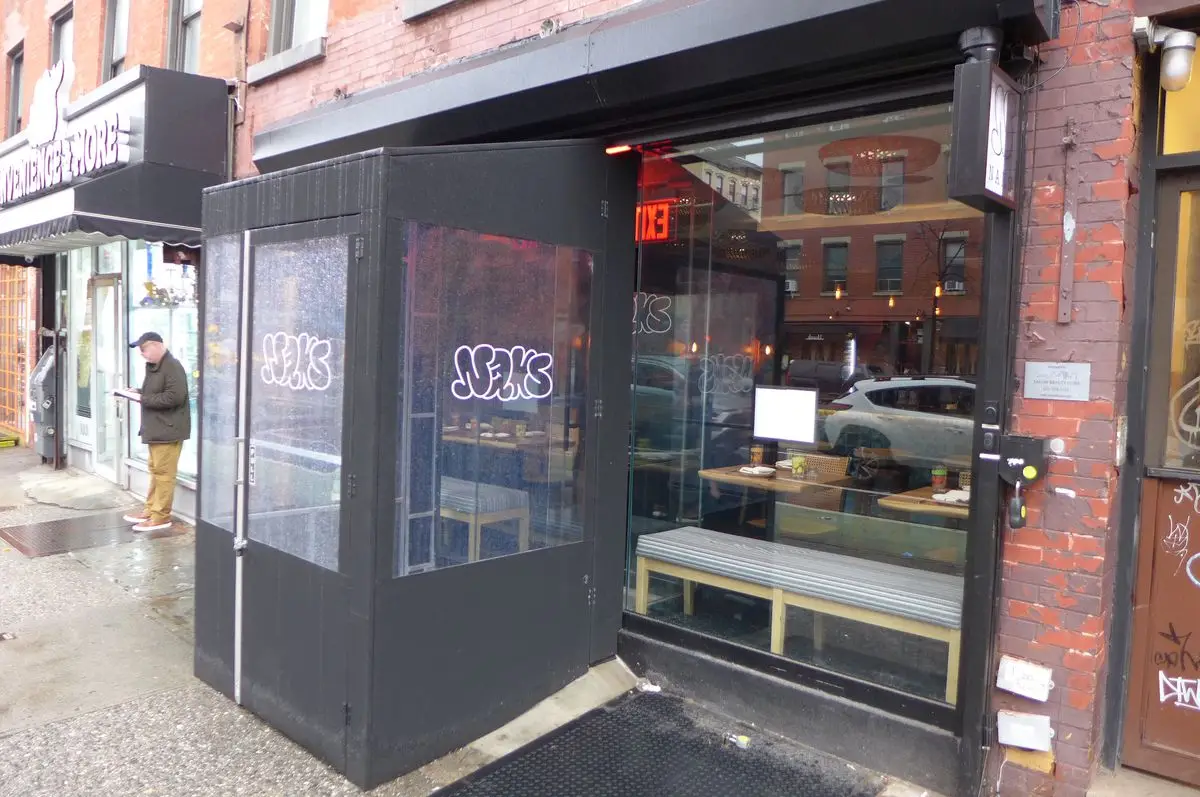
x=492, y=423
x=846, y=273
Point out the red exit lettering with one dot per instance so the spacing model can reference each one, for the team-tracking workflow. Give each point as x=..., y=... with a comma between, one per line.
x=654, y=221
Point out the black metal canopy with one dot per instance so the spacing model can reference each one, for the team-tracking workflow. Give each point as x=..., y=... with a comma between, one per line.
x=656, y=62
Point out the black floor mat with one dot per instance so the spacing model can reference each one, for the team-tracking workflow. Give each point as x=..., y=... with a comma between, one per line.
x=653, y=745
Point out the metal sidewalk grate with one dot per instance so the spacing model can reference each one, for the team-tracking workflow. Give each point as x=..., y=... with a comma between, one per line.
x=75, y=534
x=655, y=746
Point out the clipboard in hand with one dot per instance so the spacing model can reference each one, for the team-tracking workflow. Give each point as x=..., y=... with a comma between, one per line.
x=127, y=393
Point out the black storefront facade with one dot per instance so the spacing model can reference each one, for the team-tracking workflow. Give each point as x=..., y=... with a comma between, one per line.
x=103, y=195
x=429, y=497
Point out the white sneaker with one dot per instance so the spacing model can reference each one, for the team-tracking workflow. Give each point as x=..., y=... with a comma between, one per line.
x=150, y=525
x=137, y=519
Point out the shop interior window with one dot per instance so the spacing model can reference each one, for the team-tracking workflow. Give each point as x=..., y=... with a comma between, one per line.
x=163, y=297
x=800, y=480
x=492, y=424
x=81, y=346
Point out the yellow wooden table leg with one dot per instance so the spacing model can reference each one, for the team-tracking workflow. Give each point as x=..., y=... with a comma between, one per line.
x=689, y=597
x=473, y=539
x=642, y=597
x=952, y=664
x=778, y=621
x=523, y=531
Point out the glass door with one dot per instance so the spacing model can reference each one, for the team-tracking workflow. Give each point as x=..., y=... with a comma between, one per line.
x=109, y=375
x=294, y=344
x=1162, y=721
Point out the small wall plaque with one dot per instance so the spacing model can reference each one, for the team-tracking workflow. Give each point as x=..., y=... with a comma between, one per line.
x=1058, y=381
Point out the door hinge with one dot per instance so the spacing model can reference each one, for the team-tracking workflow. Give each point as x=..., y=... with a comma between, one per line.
x=359, y=247
x=598, y=408
x=351, y=484
x=604, y=208
x=346, y=713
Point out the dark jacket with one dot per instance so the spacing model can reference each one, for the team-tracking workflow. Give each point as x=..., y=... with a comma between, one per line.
x=166, y=408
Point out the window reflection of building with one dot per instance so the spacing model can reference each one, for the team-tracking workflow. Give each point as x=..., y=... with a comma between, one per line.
x=854, y=276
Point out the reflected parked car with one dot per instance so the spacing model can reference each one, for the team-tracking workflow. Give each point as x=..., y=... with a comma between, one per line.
x=830, y=379
x=923, y=421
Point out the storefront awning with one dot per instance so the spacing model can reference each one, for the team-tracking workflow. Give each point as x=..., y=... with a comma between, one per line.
x=146, y=201
x=640, y=69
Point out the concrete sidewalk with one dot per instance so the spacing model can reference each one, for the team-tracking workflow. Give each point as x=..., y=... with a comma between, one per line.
x=96, y=689
x=97, y=695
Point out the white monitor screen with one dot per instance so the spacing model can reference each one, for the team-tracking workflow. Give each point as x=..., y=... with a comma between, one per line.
x=785, y=414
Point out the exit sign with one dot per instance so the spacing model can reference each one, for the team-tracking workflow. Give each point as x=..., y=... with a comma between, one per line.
x=654, y=221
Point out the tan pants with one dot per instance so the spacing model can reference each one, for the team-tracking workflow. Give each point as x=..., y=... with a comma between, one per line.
x=164, y=463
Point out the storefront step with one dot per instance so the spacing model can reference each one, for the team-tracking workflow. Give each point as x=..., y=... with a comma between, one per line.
x=900, y=747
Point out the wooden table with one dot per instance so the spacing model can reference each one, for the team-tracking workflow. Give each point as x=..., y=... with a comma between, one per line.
x=778, y=483
x=512, y=443
x=921, y=501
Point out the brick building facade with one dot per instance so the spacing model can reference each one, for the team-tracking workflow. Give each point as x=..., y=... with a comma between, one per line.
x=1060, y=595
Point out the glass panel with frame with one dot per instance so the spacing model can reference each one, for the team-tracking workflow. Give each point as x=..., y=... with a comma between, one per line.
x=297, y=384
x=80, y=345
x=1181, y=446
x=219, y=388
x=108, y=376
x=492, y=424
x=163, y=299
x=842, y=546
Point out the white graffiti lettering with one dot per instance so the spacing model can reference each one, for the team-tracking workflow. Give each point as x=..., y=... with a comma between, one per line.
x=1177, y=691
x=297, y=362
x=1178, y=539
x=727, y=374
x=651, y=313
x=1192, y=570
x=1188, y=493
x=1184, y=412
x=487, y=372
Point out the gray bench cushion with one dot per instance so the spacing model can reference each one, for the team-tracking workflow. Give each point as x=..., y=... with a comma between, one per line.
x=472, y=497
x=934, y=598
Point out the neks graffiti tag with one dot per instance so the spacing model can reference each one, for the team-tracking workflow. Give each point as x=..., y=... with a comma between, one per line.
x=487, y=372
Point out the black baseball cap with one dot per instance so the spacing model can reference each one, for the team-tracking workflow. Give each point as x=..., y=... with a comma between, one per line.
x=146, y=338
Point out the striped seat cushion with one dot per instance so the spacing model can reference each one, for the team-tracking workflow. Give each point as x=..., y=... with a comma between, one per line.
x=473, y=497
x=934, y=598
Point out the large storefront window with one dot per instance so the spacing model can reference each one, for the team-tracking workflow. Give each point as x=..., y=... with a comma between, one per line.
x=853, y=290
x=163, y=298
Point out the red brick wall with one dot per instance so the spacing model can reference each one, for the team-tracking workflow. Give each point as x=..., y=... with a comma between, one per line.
x=369, y=45
x=28, y=23
x=1057, y=581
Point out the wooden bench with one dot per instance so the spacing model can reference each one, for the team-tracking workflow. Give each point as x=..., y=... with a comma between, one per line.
x=480, y=505
x=889, y=596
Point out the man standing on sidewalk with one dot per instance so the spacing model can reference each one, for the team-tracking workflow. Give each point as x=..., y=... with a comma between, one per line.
x=166, y=423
